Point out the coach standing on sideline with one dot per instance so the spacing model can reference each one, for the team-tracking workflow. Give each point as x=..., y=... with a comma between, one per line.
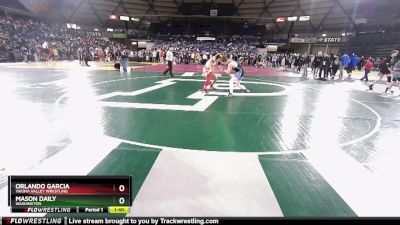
x=170, y=58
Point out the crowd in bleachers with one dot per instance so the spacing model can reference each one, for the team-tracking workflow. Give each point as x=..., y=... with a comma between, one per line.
x=24, y=39
x=36, y=41
x=189, y=50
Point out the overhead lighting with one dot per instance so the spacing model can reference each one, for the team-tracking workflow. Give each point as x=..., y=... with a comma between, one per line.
x=292, y=18
x=304, y=18
x=78, y=27
x=124, y=18
x=71, y=26
x=112, y=17
x=95, y=29
x=135, y=19
x=110, y=29
x=323, y=35
x=343, y=34
x=280, y=19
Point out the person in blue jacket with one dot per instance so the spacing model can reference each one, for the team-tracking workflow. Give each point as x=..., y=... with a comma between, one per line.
x=344, y=64
x=354, y=59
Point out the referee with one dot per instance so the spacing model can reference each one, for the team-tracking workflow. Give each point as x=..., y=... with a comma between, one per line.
x=170, y=58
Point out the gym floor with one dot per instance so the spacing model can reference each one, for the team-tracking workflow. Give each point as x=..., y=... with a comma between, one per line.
x=290, y=147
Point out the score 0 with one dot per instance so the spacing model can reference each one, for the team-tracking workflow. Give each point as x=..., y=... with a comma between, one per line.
x=121, y=188
x=123, y=194
x=121, y=200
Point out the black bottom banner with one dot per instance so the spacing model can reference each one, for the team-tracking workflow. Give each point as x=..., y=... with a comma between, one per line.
x=186, y=220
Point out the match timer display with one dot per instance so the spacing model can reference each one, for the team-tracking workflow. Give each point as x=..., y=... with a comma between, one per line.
x=69, y=194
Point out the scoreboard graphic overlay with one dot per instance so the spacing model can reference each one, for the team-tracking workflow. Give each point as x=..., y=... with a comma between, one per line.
x=78, y=194
x=75, y=194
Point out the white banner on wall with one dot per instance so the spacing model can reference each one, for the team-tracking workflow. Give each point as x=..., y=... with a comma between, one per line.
x=328, y=40
x=272, y=48
x=206, y=38
x=298, y=40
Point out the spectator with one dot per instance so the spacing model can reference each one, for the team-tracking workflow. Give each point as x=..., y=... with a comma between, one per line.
x=367, y=68
x=344, y=64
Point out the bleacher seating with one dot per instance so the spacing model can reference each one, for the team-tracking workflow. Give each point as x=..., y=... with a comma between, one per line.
x=378, y=44
x=211, y=27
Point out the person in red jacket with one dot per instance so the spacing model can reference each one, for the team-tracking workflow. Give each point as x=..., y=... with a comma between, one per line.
x=367, y=68
x=162, y=54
